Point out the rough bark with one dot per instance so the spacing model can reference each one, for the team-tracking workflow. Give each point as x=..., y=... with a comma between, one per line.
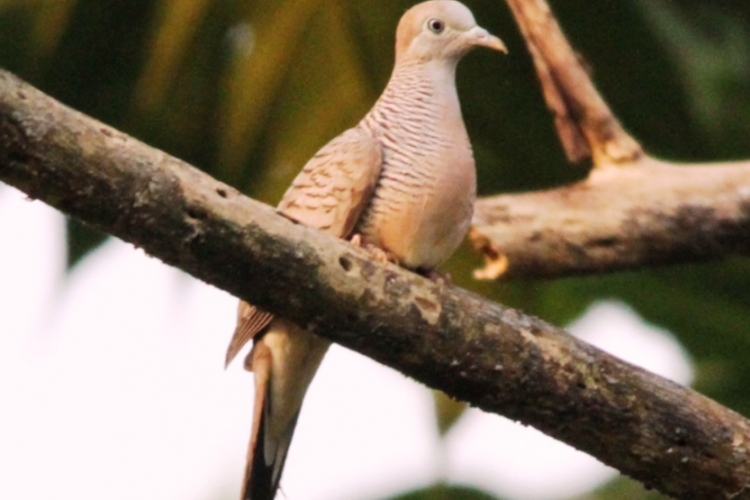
x=667, y=436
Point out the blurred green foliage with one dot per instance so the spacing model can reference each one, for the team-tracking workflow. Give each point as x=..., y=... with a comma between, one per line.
x=622, y=488
x=249, y=90
x=445, y=492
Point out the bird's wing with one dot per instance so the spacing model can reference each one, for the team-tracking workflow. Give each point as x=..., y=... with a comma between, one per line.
x=329, y=194
x=335, y=186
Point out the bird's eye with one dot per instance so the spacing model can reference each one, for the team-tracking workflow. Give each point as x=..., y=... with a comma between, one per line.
x=436, y=25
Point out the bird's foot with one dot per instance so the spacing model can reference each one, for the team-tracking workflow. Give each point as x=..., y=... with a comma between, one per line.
x=356, y=240
x=380, y=254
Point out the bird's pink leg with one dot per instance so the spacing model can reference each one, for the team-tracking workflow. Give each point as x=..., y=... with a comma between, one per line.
x=380, y=254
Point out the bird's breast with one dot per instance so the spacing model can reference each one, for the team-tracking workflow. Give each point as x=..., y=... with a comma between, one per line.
x=423, y=203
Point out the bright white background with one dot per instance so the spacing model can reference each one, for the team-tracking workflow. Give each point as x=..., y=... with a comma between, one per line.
x=112, y=387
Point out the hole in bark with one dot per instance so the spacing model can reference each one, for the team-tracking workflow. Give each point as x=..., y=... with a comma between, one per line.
x=345, y=263
x=609, y=241
x=680, y=436
x=196, y=213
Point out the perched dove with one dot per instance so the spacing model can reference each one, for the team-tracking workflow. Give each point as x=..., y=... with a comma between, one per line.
x=403, y=180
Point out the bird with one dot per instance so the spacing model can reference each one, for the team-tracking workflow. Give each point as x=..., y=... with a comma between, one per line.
x=401, y=182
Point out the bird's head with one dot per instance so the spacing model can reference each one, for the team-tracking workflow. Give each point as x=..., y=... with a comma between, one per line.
x=441, y=29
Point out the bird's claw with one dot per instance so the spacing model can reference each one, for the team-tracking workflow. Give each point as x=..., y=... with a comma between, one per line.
x=381, y=255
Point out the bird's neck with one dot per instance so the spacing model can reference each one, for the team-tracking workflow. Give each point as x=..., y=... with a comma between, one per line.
x=422, y=85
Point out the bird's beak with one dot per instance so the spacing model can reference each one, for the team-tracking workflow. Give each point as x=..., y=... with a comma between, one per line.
x=480, y=37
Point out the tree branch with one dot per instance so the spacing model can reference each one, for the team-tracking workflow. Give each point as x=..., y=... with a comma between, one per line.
x=632, y=212
x=617, y=219
x=585, y=124
x=667, y=436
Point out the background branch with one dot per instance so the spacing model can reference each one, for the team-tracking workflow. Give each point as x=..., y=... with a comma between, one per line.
x=585, y=124
x=617, y=219
x=645, y=213
x=669, y=437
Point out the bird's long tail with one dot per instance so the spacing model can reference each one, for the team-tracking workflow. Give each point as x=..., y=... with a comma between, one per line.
x=284, y=360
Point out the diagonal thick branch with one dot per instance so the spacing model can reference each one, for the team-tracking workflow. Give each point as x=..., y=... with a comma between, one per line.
x=667, y=436
x=632, y=212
